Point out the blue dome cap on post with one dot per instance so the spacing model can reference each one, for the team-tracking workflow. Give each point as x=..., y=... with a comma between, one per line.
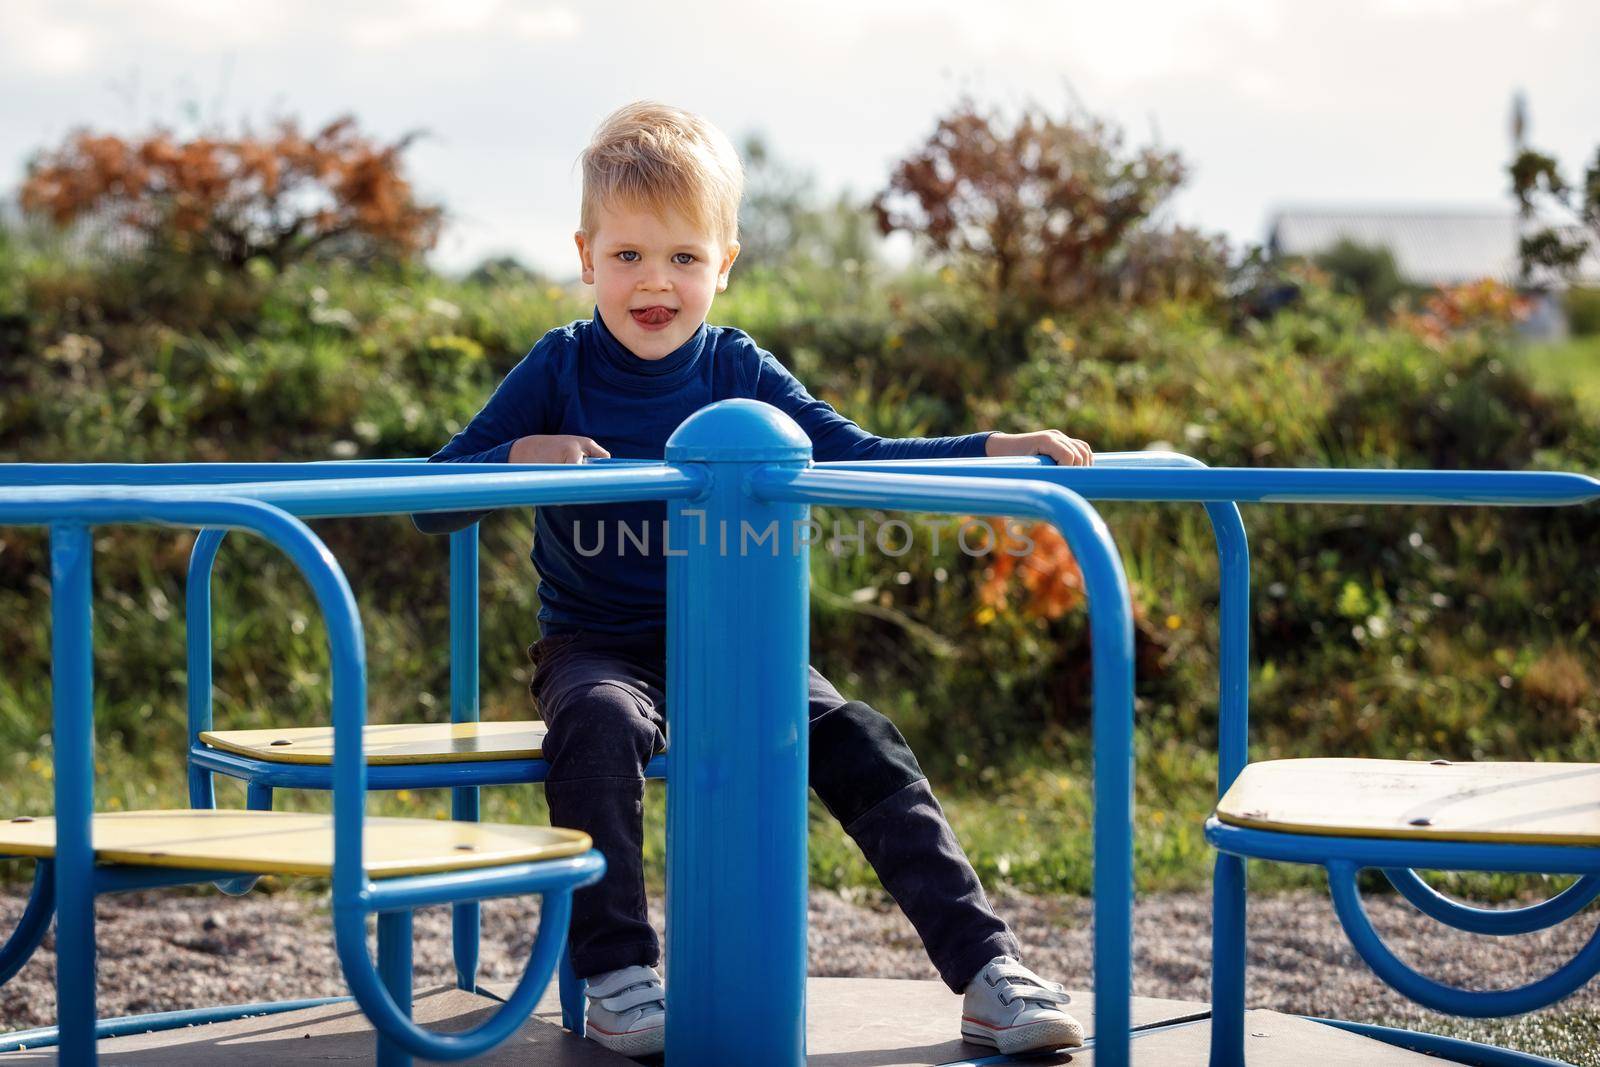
x=738, y=430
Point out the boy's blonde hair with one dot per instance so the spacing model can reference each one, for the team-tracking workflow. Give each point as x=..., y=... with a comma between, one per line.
x=664, y=159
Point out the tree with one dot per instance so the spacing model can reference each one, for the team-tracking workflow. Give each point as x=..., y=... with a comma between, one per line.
x=505, y=270
x=783, y=222
x=1539, y=187
x=1053, y=212
x=1364, y=271
x=229, y=200
x=775, y=202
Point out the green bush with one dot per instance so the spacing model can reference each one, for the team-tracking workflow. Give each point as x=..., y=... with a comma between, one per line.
x=1583, y=312
x=1392, y=631
x=1367, y=273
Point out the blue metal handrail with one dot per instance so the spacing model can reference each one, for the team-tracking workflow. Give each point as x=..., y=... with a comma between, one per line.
x=34, y=475
x=1156, y=481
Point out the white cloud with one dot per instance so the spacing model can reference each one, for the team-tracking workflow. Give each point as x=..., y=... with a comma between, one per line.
x=545, y=24
x=1268, y=101
x=38, y=39
x=421, y=20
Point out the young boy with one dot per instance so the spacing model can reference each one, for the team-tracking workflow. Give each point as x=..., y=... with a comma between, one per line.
x=661, y=191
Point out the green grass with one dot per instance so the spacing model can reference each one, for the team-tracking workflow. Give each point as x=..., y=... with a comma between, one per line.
x=1572, y=365
x=1028, y=827
x=1568, y=1036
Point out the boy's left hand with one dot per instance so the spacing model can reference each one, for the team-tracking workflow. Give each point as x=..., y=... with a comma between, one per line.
x=1067, y=451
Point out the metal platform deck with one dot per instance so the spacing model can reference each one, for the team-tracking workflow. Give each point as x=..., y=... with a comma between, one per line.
x=852, y=1022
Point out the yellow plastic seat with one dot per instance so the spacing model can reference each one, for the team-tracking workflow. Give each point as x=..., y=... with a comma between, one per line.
x=282, y=842
x=1511, y=803
x=398, y=743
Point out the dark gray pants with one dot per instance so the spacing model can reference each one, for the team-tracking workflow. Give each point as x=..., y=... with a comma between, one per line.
x=603, y=698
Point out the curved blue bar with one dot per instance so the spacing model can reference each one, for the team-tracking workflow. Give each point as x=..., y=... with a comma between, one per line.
x=1380, y=852
x=1500, y=922
x=263, y=776
x=1229, y=902
x=1449, y=1049
x=33, y=925
x=382, y=776
x=1233, y=554
x=49, y=1036
x=1478, y=1004
x=397, y=1027
x=485, y=883
x=1111, y=649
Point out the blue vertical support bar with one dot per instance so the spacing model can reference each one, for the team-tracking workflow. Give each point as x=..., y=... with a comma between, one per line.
x=394, y=967
x=197, y=639
x=1111, y=651
x=738, y=646
x=72, y=698
x=1228, y=884
x=464, y=918
x=571, y=988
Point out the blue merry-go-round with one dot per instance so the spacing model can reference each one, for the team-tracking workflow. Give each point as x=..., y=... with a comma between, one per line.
x=740, y=473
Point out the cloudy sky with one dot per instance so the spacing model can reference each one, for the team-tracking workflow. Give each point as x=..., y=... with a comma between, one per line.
x=1397, y=102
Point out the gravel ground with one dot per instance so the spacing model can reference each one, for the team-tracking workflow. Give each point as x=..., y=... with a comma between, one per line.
x=161, y=951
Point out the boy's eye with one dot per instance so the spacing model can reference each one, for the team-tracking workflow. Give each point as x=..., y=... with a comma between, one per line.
x=683, y=259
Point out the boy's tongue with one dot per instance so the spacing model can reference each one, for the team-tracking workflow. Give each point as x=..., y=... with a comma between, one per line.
x=653, y=316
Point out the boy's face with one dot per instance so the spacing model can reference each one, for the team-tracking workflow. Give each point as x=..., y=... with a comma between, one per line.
x=654, y=277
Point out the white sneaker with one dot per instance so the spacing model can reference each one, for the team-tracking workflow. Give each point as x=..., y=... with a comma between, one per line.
x=1012, y=1009
x=627, y=1011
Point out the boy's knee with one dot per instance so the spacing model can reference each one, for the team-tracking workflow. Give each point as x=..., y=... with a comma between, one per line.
x=858, y=758
x=600, y=730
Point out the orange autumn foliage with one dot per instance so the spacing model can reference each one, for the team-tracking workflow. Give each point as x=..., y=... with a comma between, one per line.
x=1452, y=309
x=228, y=200
x=1048, y=573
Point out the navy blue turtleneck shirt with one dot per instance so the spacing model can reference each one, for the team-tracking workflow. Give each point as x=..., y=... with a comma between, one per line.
x=579, y=379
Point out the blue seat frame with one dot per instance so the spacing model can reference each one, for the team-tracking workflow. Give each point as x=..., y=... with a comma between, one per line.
x=463, y=778
x=70, y=880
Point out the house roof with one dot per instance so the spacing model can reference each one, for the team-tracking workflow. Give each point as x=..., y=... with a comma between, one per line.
x=1430, y=246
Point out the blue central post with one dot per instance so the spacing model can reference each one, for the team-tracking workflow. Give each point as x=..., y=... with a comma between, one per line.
x=738, y=646
x=72, y=695
x=464, y=918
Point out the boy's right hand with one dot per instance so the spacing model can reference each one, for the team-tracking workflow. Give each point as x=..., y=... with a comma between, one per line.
x=555, y=448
